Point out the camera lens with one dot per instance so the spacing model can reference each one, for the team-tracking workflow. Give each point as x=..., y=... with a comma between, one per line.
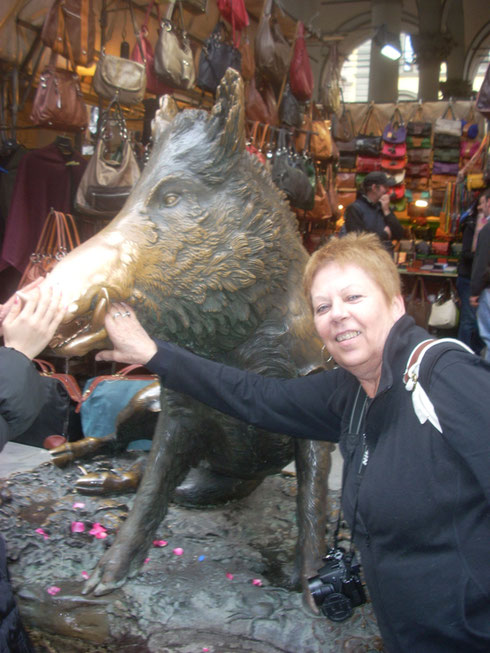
x=337, y=607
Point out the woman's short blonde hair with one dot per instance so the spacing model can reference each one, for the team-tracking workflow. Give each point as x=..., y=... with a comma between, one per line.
x=363, y=250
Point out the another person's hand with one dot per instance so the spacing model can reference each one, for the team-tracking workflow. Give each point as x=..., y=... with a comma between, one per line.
x=5, y=308
x=384, y=200
x=132, y=344
x=473, y=300
x=33, y=318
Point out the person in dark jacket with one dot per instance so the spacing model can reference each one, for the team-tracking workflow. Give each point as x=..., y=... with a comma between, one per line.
x=468, y=328
x=480, y=277
x=416, y=489
x=27, y=322
x=371, y=210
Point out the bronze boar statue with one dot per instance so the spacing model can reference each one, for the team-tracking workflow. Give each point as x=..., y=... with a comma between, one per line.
x=208, y=253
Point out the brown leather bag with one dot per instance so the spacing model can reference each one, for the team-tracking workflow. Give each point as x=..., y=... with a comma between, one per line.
x=256, y=107
x=59, y=103
x=248, y=59
x=69, y=30
x=59, y=236
x=106, y=183
x=117, y=77
x=417, y=303
x=174, y=61
x=272, y=51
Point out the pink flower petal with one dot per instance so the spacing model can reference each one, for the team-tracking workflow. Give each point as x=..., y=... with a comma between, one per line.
x=77, y=527
x=98, y=531
x=160, y=543
x=257, y=582
x=42, y=532
x=147, y=560
x=178, y=551
x=85, y=575
x=78, y=504
x=53, y=590
x=205, y=650
x=229, y=576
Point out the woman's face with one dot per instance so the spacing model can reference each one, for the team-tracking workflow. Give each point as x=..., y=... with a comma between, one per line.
x=353, y=318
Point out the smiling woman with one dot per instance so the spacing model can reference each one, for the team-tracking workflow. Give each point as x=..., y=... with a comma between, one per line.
x=415, y=495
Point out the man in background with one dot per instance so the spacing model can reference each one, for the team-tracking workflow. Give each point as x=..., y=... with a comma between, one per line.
x=371, y=210
x=480, y=276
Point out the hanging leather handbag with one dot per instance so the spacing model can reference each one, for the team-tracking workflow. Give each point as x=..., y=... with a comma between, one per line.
x=272, y=51
x=300, y=73
x=448, y=124
x=418, y=125
x=398, y=191
x=444, y=312
x=290, y=176
x=368, y=163
x=449, y=141
x=248, y=59
x=418, y=169
x=468, y=149
x=417, y=303
x=107, y=182
x=392, y=165
x=117, y=77
x=59, y=236
x=419, y=142
x=58, y=102
x=368, y=139
x=419, y=155
x=394, y=150
x=395, y=131
x=399, y=177
x=439, y=168
x=69, y=30
x=174, y=61
x=322, y=209
x=143, y=53
x=446, y=154
x=289, y=109
x=417, y=183
x=331, y=92
x=255, y=106
x=346, y=180
x=483, y=98
x=235, y=13
x=216, y=56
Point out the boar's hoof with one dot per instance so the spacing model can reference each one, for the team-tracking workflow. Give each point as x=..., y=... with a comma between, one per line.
x=67, y=453
x=109, y=482
x=204, y=487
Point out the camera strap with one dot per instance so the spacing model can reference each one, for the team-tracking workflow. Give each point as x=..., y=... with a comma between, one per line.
x=356, y=431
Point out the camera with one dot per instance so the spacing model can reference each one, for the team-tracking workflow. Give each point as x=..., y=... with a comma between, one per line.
x=337, y=588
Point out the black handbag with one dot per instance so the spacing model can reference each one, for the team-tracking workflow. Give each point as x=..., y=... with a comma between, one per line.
x=289, y=109
x=290, y=175
x=58, y=414
x=216, y=56
x=447, y=140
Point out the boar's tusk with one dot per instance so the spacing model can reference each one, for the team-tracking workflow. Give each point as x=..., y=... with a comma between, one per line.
x=100, y=310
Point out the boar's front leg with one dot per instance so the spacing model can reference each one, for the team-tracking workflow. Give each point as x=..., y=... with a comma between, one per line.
x=175, y=449
x=313, y=460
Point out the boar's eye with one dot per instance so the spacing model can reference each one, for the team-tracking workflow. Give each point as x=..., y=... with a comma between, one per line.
x=171, y=199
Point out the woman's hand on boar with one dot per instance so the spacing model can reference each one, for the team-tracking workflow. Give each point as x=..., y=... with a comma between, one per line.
x=132, y=344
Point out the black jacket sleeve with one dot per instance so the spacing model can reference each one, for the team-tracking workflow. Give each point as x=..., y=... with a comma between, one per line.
x=306, y=407
x=481, y=262
x=21, y=394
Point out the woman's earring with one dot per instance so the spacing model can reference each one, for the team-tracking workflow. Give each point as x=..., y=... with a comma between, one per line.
x=325, y=360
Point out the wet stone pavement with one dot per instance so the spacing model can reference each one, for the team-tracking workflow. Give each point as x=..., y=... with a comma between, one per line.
x=217, y=582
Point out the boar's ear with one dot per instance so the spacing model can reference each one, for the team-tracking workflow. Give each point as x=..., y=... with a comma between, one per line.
x=164, y=115
x=229, y=111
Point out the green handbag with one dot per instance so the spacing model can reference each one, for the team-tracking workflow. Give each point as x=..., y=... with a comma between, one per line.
x=418, y=141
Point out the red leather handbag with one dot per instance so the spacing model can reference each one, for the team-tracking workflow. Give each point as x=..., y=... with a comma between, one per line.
x=392, y=165
x=235, y=13
x=394, y=150
x=300, y=73
x=398, y=191
x=368, y=163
